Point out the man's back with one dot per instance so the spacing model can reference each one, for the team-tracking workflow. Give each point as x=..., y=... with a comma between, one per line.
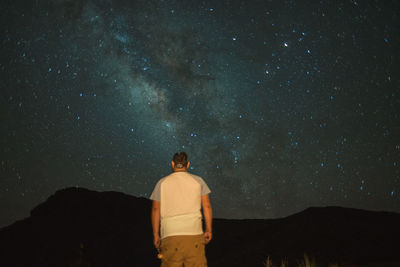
x=180, y=194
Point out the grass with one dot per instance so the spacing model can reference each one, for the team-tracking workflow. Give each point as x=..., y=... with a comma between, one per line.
x=305, y=262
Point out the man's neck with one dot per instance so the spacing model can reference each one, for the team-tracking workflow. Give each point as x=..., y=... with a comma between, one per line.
x=180, y=170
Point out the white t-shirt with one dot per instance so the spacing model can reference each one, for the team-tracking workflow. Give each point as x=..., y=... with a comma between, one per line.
x=180, y=201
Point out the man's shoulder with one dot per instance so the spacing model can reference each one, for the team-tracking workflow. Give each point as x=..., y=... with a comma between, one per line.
x=171, y=177
x=196, y=177
x=204, y=187
x=185, y=174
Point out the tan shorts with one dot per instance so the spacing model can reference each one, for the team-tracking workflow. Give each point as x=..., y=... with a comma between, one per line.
x=183, y=249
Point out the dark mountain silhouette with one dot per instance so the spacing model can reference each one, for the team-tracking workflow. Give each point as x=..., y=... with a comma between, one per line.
x=79, y=227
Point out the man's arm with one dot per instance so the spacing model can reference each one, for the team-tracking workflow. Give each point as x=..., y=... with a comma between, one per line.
x=155, y=222
x=207, y=212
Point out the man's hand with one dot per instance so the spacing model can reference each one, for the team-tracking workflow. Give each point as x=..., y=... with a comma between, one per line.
x=157, y=241
x=207, y=237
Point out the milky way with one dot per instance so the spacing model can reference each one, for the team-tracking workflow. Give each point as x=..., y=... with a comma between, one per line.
x=281, y=105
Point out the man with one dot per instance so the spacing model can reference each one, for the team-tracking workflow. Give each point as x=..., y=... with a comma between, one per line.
x=177, y=201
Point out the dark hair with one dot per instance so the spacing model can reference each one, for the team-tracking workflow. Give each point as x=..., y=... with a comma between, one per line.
x=180, y=160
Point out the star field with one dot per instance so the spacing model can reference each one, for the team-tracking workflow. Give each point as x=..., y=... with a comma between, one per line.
x=280, y=105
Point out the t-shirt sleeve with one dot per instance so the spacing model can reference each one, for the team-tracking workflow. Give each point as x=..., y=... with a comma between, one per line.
x=156, y=195
x=204, y=187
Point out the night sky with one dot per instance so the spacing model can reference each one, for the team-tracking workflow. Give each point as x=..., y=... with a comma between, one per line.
x=280, y=105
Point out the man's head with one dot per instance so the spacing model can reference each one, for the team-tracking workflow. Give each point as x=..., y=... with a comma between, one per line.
x=180, y=162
